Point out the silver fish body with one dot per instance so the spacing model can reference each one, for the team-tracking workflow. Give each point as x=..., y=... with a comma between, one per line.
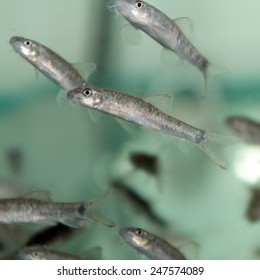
x=136, y=110
x=141, y=112
x=247, y=129
x=48, y=62
x=33, y=210
x=162, y=29
x=150, y=245
x=45, y=253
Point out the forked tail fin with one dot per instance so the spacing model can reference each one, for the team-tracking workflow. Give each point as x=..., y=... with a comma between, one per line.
x=213, y=145
x=211, y=70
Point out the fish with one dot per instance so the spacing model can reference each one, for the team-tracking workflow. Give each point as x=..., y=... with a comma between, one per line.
x=149, y=244
x=46, y=253
x=138, y=202
x=51, y=64
x=146, y=162
x=52, y=235
x=247, y=129
x=253, y=210
x=37, y=207
x=164, y=30
x=141, y=111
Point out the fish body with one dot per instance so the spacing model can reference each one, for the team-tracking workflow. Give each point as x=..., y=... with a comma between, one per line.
x=162, y=29
x=247, y=129
x=48, y=62
x=150, y=245
x=34, y=210
x=46, y=253
x=138, y=111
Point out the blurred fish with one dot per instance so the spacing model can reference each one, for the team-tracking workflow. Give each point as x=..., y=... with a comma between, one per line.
x=52, y=65
x=164, y=30
x=138, y=202
x=37, y=207
x=45, y=253
x=142, y=112
x=15, y=159
x=246, y=128
x=253, y=211
x=149, y=244
x=52, y=235
x=148, y=163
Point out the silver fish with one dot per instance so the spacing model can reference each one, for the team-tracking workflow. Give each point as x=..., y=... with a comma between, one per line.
x=150, y=245
x=37, y=207
x=162, y=29
x=246, y=128
x=142, y=112
x=50, y=63
x=45, y=253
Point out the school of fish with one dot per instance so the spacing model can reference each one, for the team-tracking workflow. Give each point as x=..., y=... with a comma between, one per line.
x=153, y=113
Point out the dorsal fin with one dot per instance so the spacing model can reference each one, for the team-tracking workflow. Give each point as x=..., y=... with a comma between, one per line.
x=163, y=102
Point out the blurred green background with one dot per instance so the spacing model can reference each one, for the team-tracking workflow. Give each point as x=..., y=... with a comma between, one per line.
x=62, y=150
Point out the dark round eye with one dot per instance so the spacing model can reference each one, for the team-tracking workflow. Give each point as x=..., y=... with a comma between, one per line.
x=138, y=232
x=35, y=254
x=27, y=43
x=139, y=4
x=87, y=92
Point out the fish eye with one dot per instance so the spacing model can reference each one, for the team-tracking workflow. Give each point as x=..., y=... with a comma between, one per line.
x=138, y=232
x=27, y=43
x=35, y=254
x=139, y=4
x=87, y=92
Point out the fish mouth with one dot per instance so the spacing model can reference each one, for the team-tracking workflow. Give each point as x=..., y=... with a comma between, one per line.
x=17, y=42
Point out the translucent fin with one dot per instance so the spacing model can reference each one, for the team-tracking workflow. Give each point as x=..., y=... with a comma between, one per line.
x=94, y=253
x=85, y=69
x=94, y=115
x=94, y=214
x=213, y=146
x=39, y=195
x=74, y=222
x=211, y=70
x=164, y=102
x=131, y=35
x=170, y=59
x=184, y=145
x=129, y=127
x=185, y=24
x=61, y=98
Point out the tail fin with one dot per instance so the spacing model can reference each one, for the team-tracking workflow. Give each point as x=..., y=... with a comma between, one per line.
x=94, y=214
x=211, y=70
x=213, y=145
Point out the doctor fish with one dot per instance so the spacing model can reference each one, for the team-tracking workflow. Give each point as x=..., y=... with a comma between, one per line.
x=142, y=112
x=164, y=30
x=37, y=207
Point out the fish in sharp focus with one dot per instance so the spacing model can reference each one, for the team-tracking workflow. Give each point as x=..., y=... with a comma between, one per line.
x=138, y=110
x=150, y=245
x=37, y=207
x=46, y=253
x=50, y=63
x=164, y=30
x=247, y=129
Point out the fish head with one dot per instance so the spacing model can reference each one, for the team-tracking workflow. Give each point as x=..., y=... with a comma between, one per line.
x=134, y=11
x=137, y=237
x=87, y=97
x=27, y=48
x=237, y=124
x=32, y=253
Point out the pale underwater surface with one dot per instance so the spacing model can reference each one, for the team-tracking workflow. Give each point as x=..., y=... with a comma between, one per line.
x=67, y=153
